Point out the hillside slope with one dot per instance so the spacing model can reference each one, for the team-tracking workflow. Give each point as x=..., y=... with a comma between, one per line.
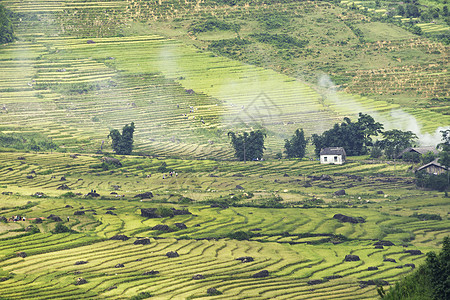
x=82, y=68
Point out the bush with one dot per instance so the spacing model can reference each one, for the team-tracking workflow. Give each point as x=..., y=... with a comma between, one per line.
x=273, y=20
x=240, y=235
x=33, y=229
x=213, y=292
x=427, y=217
x=428, y=157
x=69, y=195
x=163, y=168
x=411, y=157
x=431, y=181
x=212, y=24
x=185, y=200
x=105, y=166
x=142, y=295
x=60, y=228
x=281, y=41
x=376, y=152
x=26, y=141
x=164, y=212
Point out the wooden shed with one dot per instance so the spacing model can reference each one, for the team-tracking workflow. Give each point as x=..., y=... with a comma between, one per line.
x=418, y=150
x=433, y=168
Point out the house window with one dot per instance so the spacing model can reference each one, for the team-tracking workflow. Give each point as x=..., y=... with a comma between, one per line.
x=335, y=158
x=325, y=158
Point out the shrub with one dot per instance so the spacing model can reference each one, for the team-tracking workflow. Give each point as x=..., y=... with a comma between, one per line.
x=281, y=41
x=69, y=195
x=141, y=295
x=213, y=292
x=26, y=141
x=273, y=20
x=212, y=24
x=33, y=229
x=376, y=152
x=164, y=212
x=105, y=166
x=185, y=200
x=431, y=181
x=411, y=157
x=427, y=217
x=428, y=157
x=240, y=235
x=60, y=228
x=163, y=168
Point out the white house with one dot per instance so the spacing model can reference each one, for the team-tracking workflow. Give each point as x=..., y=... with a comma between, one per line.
x=332, y=155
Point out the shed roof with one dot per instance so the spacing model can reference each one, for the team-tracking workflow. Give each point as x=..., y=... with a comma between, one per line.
x=420, y=150
x=433, y=163
x=333, y=151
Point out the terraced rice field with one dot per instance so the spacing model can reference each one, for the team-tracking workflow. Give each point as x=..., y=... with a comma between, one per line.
x=72, y=78
x=290, y=267
x=76, y=72
x=295, y=244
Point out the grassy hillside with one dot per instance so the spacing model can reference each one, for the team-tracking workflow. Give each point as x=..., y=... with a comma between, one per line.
x=284, y=213
x=187, y=73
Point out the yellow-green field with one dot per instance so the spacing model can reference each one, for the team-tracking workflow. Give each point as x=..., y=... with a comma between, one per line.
x=296, y=243
x=79, y=70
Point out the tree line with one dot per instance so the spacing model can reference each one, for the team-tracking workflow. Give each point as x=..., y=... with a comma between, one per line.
x=6, y=26
x=355, y=137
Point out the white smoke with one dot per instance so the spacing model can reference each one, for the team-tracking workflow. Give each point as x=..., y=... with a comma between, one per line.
x=394, y=119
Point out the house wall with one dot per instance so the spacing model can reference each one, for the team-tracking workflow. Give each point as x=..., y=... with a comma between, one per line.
x=434, y=170
x=332, y=159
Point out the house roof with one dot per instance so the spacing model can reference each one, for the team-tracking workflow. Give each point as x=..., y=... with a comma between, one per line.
x=420, y=150
x=333, y=151
x=433, y=163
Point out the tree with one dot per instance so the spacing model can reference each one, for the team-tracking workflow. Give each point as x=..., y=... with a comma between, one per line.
x=428, y=157
x=438, y=269
x=445, y=145
x=444, y=156
x=413, y=157
x=412, y=11
x=353, y=137
x=122, y=143
x=394, y=141
x=6, y=28
x=248, y=146
x=296, y=147
x=429, y=281
x=370, y=128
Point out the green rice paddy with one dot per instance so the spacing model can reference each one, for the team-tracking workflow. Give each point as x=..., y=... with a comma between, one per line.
x=74, y=85
x=296, y=244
